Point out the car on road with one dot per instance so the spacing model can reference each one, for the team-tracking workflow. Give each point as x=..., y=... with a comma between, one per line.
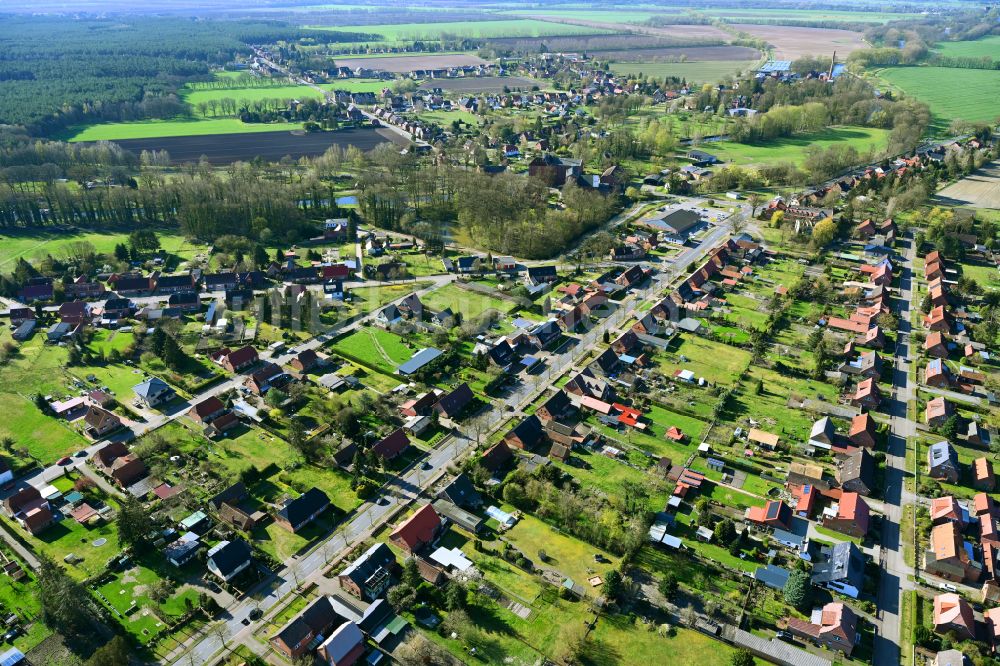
x=65, y=460
x=82, y=453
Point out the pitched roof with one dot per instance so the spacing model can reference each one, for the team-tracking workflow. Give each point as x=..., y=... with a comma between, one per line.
x=418, y=529
x=209, y=405
x=392, y=444
x=228, y=556
x=300, y=509
x=452, y=404
x=496, y=456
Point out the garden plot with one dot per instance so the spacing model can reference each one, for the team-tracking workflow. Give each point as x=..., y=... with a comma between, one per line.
x=718, y=363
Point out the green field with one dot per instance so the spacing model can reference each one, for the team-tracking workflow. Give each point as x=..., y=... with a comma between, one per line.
x=36, y=245
x=793, y=149
x=977, y=48
x=376, y=348
x=195, y=96
x=966, y=94
x=748, y=15
x=701, y=71
x=471, y=304
x=611, y=16
x=474, y=29
x=154, y=129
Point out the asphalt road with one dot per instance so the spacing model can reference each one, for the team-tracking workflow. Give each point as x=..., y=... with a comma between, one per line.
x=896, y=574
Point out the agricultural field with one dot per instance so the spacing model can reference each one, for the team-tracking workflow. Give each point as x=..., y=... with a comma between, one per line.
x=735, y=15
x=694, y=72
x=794, y=149
x=944, y=90
x=475, y=29
x=986, y=47
x=270, y=144
x=146, y=129
x=792, y=42
x=978, y=190
x=410, y=63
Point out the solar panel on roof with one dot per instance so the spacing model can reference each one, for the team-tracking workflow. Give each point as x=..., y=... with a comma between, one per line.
x=772, y=510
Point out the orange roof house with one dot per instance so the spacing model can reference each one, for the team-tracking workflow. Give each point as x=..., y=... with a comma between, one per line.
x=953, y=613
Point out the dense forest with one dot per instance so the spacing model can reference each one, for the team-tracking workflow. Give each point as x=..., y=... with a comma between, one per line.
x=56, y=72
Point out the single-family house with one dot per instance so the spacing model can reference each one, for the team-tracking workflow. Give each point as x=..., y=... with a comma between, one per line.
x=298, y=513
x=227, y=559
x=417, y=531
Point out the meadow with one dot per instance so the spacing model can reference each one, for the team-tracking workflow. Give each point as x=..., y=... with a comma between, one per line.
x=794, y=149
x=946, y=91
x=977, y=48
x=36, y=245
x=704, y=71
x=475, y=29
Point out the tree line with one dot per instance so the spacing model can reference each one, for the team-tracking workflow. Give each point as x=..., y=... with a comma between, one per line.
x=60, y=71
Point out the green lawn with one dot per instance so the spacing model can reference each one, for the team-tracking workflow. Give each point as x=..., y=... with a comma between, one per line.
x=568, y=555
x=470, y=303
x=106, y=340
x=70, y=537
x=470, y=29
x=129, y=591
x=376, y=348
x=793, y=149
x=150, y=129
x=36, y=369
x=694, y=71
x=946, y=91
x=715, y=361
x=621, y=640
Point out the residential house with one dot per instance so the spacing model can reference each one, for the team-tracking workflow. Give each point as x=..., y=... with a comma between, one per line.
x=849, y=515
x=947, y=509
x=305, y=360
x=206, y=410
x=184, y=301
x=867, y=395
x=392, y=445
x=982, y=475
x=952, y=613
x=344, y=647
x=74, y=313
x=937, y=320
x=239, y=360
x=495, y=457
x=417, y=531
x=557, y=408
x=862, y=431
x=308, y=627
x=452, y=404
x=227, y=559
x=173, y=284
x=774, y=514
x=100, y=422
x=935, y=345
x=834, y=626
x=842, y=569
x=298, y=513
x=942, y=462
x=938, y=411
x=461, y=493
x=152, y=392
x=538, y=275
x=371, y=574
x=267, y=376
x=856, y=472
x=937, y=374
x=116, y=461
x=949, y=556
x=526, y=435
